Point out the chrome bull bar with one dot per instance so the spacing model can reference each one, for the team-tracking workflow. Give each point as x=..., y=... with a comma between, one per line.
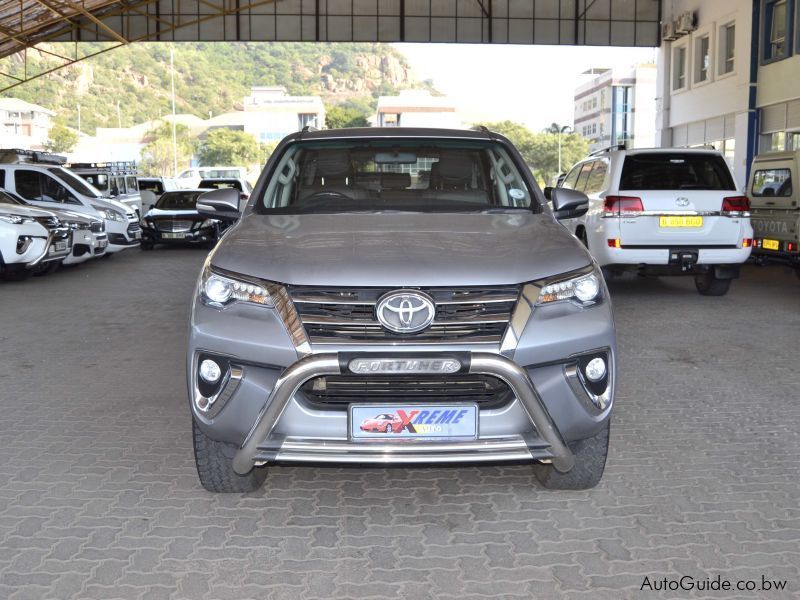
x=259, y=439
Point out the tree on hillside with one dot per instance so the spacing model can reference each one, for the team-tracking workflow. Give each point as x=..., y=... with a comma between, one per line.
x=540, y=150
x=228, y=147
x=337, y=117
x=157, y=154
x=62, y=138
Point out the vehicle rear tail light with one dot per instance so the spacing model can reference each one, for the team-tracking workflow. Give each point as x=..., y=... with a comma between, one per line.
x=736, y=204
x=622, y=205
x=615, y=243
x=747, y=242
x=791, y=246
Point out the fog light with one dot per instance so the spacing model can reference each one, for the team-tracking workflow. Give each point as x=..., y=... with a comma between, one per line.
x=210, y=371
x=596, y=369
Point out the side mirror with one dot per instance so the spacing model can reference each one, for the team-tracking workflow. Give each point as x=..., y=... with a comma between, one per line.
x=569, y=204
x=222, y=204
x=548, y=192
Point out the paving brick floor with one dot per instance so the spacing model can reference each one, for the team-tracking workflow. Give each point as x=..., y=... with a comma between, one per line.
x=99, y=498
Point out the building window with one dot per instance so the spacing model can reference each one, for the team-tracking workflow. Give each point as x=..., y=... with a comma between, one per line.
x=773, y=142
x=703, y=58
x=306, y=119
x=776, y=29
x=679, y=68
x=727, y=48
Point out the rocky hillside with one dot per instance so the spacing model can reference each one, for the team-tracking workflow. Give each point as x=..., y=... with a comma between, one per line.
x=210, y=78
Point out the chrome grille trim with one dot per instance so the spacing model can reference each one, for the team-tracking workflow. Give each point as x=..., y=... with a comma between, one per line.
x=173, y=225
x=475, y=315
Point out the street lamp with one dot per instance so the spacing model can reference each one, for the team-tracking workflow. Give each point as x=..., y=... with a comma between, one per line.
x=564, y=129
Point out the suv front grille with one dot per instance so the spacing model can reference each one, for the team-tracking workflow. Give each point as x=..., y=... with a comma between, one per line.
x=173, y=224
x=463, y=315
x=337, y=391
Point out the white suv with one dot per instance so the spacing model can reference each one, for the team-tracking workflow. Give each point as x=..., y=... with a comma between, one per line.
x=29, y=238
x=663, y=211
x=52, y=186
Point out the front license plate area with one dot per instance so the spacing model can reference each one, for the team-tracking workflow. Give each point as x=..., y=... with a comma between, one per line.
x=770, y=244
x=390, y=422
x=680, y=221
x=174, y=236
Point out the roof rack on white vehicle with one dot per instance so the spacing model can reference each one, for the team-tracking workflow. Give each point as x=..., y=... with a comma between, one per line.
x=119, y=165
x=17, y=155
x=609, y=149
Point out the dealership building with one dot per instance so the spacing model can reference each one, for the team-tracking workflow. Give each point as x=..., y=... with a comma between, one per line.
x=728, y=77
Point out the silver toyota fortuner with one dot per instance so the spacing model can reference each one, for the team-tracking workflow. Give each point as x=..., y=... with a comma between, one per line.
x=399, y=296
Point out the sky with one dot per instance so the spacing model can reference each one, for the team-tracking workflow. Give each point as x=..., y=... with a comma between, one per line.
x=533, y=85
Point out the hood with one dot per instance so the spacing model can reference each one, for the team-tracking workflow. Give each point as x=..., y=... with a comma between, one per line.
x=400, y=249
x=71, y=216
x=25, y=211
x=116, y=205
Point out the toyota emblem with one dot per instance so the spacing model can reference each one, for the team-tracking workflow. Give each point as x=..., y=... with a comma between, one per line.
x=405, y=311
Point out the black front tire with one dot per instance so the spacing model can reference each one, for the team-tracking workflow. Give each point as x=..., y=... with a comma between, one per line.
x=709, y=285
x=214, y=461
x=590, y=462
x=47, y=268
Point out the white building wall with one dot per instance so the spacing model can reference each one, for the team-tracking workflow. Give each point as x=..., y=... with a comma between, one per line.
x=712, y=111
x=448, y=120
x=644, y=108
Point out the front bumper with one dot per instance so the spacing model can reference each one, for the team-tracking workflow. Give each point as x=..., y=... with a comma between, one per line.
x=195, y=236
x=260, y=446
x=262, y=406
x=288, y=429
x=122, y=236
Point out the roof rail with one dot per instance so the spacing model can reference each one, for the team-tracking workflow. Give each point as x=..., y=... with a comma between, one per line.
x=482, y=128
x=119, y=165
x=609, y=149
x=309, y=129
x=17, y=155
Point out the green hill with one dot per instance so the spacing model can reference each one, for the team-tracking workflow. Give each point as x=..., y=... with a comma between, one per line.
x=209, y=77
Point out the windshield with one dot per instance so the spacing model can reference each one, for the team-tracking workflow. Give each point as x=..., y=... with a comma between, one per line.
x=154, y=186
x=10, y=198
x=178, y=201
x=76, y=183
x=406, y=174
x=676, y=171
x=98, y=180
x=221, y=183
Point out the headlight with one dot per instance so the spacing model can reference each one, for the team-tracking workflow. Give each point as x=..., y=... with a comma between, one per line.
x=17, y=219
x=207, y=223
x=109, y=214
x=583, y=290
x=219, y=290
